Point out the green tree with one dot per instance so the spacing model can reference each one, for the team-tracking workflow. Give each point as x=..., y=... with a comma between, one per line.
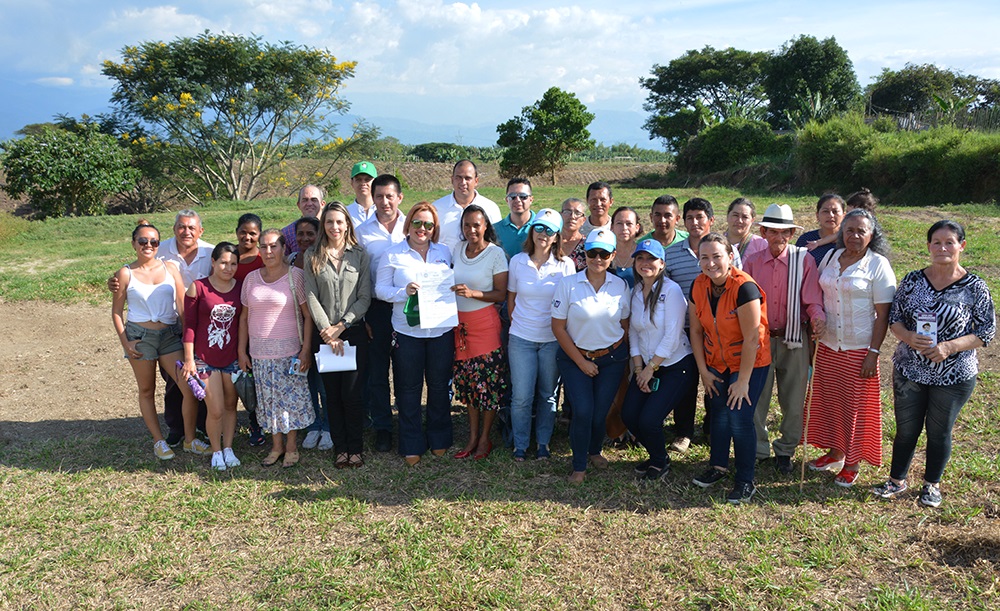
x=914, y=87
x=227, y=107
x=543, y=136
x=807, y=68
x=67, y=173
x=700, y=88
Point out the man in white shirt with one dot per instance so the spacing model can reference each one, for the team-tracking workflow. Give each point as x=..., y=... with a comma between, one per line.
x=464, y=180
x=600, y=202
x=310, y=203
x=363, y=208
x=381, y=231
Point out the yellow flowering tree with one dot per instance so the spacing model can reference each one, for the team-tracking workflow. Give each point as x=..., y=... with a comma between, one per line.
x=227, y=108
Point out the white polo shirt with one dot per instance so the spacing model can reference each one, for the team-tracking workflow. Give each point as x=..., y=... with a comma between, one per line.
x=531, y=318
x=377, y=239
x=450, y=217
x=661, y=334
x=593, y=318
x=200, y=268
x=400, y=266
x=477, y=273
x=358, y=214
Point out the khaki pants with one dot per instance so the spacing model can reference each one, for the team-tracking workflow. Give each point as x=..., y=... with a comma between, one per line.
x=791, y=368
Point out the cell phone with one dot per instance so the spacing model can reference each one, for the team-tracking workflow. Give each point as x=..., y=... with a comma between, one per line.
x=293, y=369
x=654, y=384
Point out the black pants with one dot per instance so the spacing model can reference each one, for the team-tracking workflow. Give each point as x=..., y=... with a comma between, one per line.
x=345, y=403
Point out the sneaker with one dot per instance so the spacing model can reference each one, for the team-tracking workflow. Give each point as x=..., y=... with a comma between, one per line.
x=742, y=493
x=889, y=489
x=218, y=461
x=656, y=474
x=825, y=463
x=197, y=447
x=930, y=495
x=846, y=479
x=641, y=468
x=162, y=450
x=312, y=438
x=325, y=441
x=383, y=441
x=710, y=477
x=230, y=458
x=680, y=445
x=255, y=437
x=783, y=464
x=175, y=438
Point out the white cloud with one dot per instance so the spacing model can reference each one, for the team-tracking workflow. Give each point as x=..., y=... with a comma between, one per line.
x=55, y=81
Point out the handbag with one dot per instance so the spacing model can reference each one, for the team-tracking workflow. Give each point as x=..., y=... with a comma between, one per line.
x=246, y=388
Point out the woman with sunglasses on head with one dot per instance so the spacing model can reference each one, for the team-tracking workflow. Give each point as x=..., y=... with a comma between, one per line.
x=534, y=375
x=211, y=324
x=154, y=292
x=480, y=374
x=590, y=311
x=574, y=215
x=418, y=353
x=339, y=291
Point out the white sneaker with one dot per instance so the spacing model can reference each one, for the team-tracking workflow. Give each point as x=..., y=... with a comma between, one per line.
x=198, y=447
x=162, y=450
x=218, y=462
x=312, y=438
x=325, y=441
x=230, y=458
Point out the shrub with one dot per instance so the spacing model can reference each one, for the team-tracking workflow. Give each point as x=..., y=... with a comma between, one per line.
x=65, y=173
x=825, y=153
x=440, y=151
x=732, y=143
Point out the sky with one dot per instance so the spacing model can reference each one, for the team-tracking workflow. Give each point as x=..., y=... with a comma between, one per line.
x=455, y=70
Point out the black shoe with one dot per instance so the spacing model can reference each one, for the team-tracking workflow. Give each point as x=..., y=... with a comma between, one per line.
x=783, y=464
x=174, y=438
x=742, y=493
x=656, y=474
x=710, y=477
x=640, y=469
x=256, y=437
x=383, y=441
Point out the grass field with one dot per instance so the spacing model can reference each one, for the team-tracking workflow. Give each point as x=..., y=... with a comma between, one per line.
x=96, y=522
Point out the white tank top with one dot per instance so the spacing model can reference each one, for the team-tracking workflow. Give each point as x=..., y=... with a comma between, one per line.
x=151, y=302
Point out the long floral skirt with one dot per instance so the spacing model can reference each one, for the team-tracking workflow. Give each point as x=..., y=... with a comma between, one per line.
x=481, y=374
x=283, y=402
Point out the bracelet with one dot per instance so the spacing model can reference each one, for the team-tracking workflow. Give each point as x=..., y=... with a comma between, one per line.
x=870, y=349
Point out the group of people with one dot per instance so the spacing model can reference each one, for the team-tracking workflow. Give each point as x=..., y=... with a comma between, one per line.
x=577, y=300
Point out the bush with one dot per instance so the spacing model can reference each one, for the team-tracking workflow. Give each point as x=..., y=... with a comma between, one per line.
x=65, y=173
x=732, y=143
x=825, y=153
x=440, y=152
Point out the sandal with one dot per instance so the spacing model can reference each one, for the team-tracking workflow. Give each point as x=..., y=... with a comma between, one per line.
x=341, y=462
x=291, y=459
x=271, y=459
x=356, y=461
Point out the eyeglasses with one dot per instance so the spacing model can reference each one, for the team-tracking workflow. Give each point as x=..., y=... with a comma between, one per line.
x=428, y=225
x=543, y=229
x=521, y=196
x=150, y=241
x=594, y=253
x=269, y=246
x=572, y=213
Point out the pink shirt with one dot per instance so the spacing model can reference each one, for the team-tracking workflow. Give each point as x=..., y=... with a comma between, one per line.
x=771, y=275
x=272, y=324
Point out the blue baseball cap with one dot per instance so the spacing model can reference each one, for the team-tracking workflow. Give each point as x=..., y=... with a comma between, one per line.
x=650, y=246
x=601, y=238
x=548, y=218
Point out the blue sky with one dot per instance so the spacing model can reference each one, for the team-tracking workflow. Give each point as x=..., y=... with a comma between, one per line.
x=468, y=66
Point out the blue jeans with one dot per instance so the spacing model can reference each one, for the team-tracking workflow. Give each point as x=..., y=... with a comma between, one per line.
x=643, y=413
x=917, y=405
x=414, y=360
x=317, y=393
x=591, y=398
x=534, y=378
x=379, y=318
x=735, y=425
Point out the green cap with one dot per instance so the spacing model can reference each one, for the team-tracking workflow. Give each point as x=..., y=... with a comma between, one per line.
x=363, y=167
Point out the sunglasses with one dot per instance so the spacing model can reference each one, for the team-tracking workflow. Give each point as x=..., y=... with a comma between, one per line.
x=543, y=229
x=428, y=225
x=594, y=253
x=150, y=241
x=522, y=196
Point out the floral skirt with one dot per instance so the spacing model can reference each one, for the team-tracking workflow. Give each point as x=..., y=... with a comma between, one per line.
x=283, y=402
x=481, y=382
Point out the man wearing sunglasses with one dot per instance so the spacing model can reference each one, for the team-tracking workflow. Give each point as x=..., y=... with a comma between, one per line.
x=464, y=180
x=513, y=229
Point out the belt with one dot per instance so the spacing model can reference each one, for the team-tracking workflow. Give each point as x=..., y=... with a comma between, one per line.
x=777, y=332
x=593, y=354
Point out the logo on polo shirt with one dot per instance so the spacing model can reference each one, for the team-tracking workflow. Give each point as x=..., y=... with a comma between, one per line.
x=556, y=303
x=663, y=297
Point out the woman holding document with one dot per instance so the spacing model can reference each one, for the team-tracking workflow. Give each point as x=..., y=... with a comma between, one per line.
x=338, y=292
x=422, y=350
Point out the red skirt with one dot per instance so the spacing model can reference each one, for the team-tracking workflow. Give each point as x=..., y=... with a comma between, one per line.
x=846, y=410
x=477, y=333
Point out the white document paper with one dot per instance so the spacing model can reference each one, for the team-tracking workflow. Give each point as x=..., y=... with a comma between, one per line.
x=438, y=306
x=327, y=361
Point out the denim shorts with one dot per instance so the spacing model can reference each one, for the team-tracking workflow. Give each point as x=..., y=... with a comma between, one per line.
x=204, y=369
x=154, y=343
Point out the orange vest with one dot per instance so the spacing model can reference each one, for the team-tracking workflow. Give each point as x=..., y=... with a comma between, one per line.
x=723, y=337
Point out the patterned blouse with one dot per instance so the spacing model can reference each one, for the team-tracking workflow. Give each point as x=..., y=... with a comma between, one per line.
x=961, y=308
